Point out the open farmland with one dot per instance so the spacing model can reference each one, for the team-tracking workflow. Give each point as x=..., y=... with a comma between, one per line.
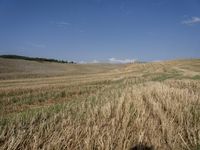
x=100, y=106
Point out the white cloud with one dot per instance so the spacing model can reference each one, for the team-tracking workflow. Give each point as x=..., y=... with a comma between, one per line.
x=82, y=62
x=191, y=21
x=110, y=60
x=89, y=62
x=123, y=61
x=95, y=61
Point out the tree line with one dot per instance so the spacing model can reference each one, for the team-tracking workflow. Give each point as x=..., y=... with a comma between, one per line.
x=36, y=59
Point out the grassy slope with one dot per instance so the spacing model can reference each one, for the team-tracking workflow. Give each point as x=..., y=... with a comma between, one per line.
x=155, y=104
x=17, y=68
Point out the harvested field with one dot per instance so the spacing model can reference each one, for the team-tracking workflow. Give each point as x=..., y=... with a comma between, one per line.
x=100, y=106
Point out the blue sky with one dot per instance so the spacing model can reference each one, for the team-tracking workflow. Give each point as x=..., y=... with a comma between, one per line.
x=101, y=30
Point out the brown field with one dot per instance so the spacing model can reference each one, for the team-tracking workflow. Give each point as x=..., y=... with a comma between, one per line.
x=100, y=106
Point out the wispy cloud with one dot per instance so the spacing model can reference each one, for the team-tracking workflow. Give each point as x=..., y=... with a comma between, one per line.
x=123, y=61
x=37, y=45
x=124, y=9
x=62, y=24
x=191, y=21
x=159, y=3
x=81, y=31
x=98, y=1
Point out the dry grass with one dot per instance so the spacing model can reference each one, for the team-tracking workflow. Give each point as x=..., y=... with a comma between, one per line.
x=15, y=69
x=156, y=105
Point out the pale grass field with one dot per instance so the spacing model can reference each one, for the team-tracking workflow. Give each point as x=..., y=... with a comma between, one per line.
x=156, y=105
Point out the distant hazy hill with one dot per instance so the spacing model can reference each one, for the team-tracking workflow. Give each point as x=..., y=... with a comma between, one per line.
x=35, y=59
x=12, y=67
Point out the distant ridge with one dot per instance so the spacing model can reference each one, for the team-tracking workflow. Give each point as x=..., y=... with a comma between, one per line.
x=36, y=59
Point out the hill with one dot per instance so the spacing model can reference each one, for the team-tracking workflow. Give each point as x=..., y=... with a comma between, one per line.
x=20, y=68
x=150, y=105
x=35, y=59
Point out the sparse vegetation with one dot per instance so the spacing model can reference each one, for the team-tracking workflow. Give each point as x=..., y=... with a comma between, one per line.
x=151, y=104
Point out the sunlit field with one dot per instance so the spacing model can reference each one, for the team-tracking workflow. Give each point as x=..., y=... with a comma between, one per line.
x=100, y=106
